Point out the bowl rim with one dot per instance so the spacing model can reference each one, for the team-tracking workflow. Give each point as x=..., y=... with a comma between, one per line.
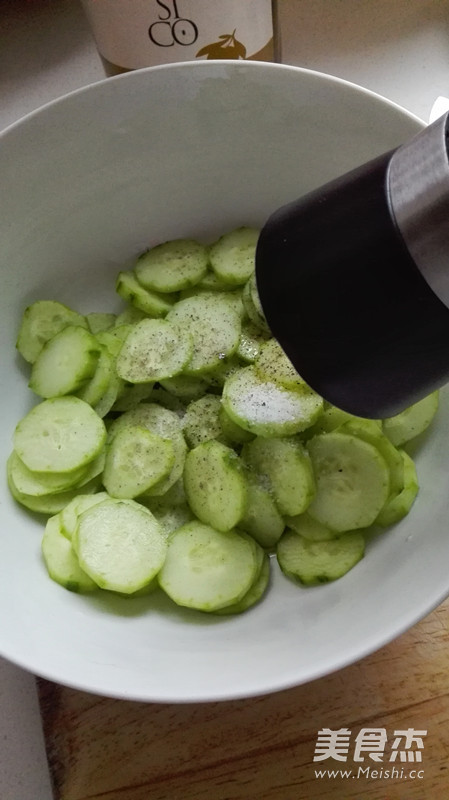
x=204, y=64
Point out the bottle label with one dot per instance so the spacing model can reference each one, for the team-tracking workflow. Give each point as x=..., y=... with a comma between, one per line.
x=143, y=33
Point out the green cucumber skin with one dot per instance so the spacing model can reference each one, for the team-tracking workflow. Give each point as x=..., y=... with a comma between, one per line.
x=284, y=464
x=312, y=563
x=231, y=292
x=210, y=569
x=213, y=463
x=352, y=478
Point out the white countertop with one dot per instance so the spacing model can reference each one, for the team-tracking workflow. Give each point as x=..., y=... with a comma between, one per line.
x=398, y=48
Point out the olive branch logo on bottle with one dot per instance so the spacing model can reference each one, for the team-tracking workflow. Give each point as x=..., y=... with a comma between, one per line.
x=226, y=47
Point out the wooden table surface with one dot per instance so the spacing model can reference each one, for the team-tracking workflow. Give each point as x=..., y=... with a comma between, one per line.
x=263, y=748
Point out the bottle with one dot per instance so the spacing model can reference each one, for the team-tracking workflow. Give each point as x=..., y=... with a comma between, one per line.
x=131, y=34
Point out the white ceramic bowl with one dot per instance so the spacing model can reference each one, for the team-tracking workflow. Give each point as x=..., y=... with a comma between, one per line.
x=90, y=181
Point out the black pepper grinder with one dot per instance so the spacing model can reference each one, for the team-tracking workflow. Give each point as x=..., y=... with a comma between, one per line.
x=354, y=279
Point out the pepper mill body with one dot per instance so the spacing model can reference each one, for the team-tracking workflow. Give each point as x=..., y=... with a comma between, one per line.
x=347, y=294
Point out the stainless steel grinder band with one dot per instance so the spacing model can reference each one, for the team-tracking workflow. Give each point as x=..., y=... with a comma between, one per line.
x=418, y=188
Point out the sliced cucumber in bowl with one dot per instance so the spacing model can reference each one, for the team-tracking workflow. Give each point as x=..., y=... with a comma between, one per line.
x=176, y=446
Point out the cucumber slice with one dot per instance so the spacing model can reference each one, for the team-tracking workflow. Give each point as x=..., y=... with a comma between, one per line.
x=150, y=302
x=254, y=594
x=285, y=466
x=131, y=396
x=214, y=326
x=172, y=266
x=390, y=453
x=186, y=387
x=207, y=569
x=111, y=341
x=233, y=298
x=261, y=519
x=93, y=469
x=113, y=338
x=59, y=435
x=251, y=341
x=310, y=528
x=120, y=545
x=333, y=417
x=95, y=389
x=164, y=423
x=149, y=588
x=218, y=376
x=414, y=420
x=311, y=563
x=352, y=478
x=253, y=306
x=50, y=503
x=202, y=420
x=400, y=504
x=267, y=409
x=171, y=519
x=174, y=496
x=273, y=364
x=232, y=257
x=167, y=400
x=38, y=484
x=215, y=486
x=109, y=398
x=233, y=434
x=68, y=517
x=100, y=321
x=136, y=460
x=61, y=561
x=130, y=315
x=65, y=363
x=210, y=283
x=258, y=551
x=153, y=350
x=40, y=322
